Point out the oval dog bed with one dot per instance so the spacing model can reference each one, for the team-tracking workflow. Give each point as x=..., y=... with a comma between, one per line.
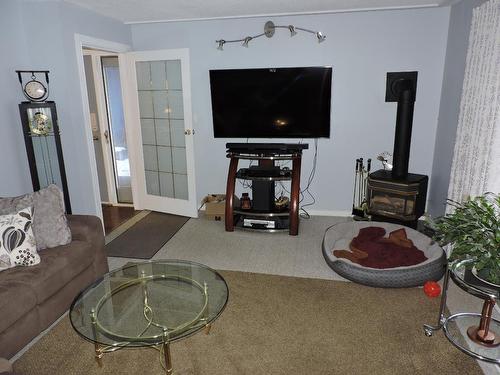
x=339, y=237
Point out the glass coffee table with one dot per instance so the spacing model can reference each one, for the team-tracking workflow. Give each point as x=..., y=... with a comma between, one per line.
x=150, y=304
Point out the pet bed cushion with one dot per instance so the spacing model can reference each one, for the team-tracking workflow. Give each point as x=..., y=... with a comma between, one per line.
x=339, y=237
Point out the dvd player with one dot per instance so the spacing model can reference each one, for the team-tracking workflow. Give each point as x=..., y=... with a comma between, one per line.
x=259, y=223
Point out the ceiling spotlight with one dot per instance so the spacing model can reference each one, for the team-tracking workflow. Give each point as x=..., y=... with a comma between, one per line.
x=292, y=30
x=221, y=44
x=246, y=40
x=320, y=36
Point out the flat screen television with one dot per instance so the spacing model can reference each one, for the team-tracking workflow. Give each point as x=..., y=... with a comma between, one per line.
x=271, y=102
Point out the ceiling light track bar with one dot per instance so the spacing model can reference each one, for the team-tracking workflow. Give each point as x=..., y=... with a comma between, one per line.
x=269, y=29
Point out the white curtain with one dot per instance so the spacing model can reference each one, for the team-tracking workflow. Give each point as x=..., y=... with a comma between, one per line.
x=476, y=161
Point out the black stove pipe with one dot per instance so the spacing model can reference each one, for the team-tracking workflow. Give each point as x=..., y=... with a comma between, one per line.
x=404, y=89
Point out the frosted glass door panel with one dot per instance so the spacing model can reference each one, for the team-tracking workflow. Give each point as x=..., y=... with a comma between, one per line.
x=161, y=109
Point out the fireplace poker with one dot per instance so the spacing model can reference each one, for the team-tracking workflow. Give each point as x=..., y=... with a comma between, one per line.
x=361, y=167
x=355, y=184
x=365, y=180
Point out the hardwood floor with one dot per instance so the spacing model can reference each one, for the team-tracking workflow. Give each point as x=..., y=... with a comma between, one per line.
x=114, y=216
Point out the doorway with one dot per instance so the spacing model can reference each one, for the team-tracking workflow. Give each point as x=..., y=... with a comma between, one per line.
x=102, y=74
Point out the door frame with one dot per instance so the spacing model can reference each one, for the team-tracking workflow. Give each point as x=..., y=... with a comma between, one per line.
x=103, y=121
x=131, y=108
x=84, y=41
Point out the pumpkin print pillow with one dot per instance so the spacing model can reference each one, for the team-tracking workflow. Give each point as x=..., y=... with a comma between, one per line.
x=17, y=242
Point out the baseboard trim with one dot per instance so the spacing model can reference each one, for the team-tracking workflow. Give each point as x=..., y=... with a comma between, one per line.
x=340, y=213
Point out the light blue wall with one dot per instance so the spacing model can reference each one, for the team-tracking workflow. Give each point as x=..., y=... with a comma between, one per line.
x=456, y=53
x=14, y=172
x=361, y=47
x=49, y=45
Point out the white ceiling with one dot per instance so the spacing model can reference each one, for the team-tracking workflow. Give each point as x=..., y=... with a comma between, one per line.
x=138, y=11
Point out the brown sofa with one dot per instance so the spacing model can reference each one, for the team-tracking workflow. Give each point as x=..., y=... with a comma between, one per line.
x=32, y=298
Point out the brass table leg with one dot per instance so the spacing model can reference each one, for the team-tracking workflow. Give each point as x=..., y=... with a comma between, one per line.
x=207, y=328
x=97, y=348
x=168, y=358
x=98, y=354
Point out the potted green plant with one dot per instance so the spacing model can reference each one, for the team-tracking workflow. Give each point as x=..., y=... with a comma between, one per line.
x=473, y=231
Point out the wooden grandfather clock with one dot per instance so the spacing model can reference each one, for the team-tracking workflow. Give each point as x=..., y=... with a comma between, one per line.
x=41, y=135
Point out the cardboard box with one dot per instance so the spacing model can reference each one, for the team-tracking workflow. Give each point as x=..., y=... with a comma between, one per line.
x=215, y=206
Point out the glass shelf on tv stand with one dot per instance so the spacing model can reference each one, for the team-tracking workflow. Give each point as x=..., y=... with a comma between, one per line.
x=287, y=177
x=239, y=211
x=262, y=156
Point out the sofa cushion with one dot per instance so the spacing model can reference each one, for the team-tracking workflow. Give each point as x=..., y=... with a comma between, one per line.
x=58, y=266
x=17, y=242
x=49, y=221
x=16, y=299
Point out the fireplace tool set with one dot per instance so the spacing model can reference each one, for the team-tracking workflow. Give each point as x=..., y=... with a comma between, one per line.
x=359, y=199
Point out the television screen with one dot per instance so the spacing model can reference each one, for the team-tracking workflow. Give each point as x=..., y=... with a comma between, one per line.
x=271, y=102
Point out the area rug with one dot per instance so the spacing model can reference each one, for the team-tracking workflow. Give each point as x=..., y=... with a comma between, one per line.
x=281, y=325
x=146, y=237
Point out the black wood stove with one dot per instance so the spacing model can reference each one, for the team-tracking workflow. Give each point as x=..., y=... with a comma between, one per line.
x=398, y=196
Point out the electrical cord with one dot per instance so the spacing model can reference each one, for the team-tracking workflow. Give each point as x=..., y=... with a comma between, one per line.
x=304, y=214
x=246, y=184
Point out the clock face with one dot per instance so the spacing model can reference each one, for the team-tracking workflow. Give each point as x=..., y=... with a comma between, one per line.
x=35, y=90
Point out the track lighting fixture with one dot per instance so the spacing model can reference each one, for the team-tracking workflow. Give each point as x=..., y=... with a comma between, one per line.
x=269, y=29
x=246, y=40
x=320, y=36
x=221, y=44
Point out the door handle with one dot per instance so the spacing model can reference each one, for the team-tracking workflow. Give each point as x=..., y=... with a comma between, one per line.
x=106, y=135
x=188, y=132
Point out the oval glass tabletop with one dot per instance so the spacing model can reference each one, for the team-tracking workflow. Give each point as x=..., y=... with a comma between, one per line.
x=149, y=303
x=462, y=272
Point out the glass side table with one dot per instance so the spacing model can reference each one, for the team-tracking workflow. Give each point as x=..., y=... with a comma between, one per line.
x=482, y=340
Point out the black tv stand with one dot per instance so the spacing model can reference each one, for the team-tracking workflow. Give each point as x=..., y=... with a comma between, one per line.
x=264, y=178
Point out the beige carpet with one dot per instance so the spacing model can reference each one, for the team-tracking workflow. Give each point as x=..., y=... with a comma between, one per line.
x=282, y=325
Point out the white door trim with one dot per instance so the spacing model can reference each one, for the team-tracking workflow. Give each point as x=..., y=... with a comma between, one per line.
x=103, y=122
x=82, y=41
x=142, y=201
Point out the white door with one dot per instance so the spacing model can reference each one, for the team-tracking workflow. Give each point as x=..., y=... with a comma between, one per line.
x=158, y=118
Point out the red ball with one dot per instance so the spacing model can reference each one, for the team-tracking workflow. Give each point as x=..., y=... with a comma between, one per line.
x=432, y=289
